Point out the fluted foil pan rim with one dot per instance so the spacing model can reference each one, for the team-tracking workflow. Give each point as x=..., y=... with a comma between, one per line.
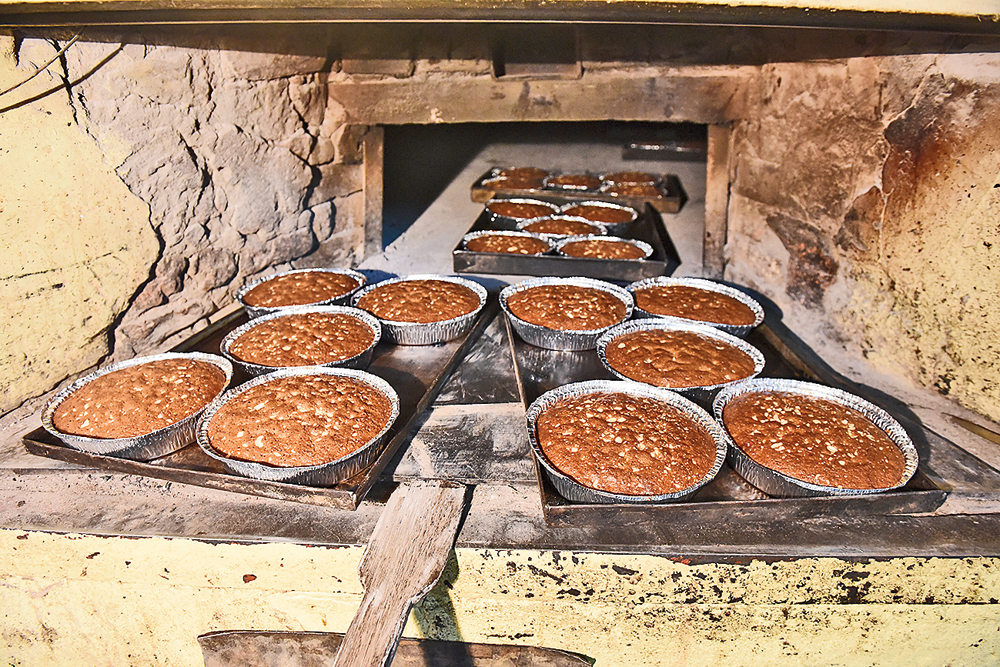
x=359, y=361
x=699, y=392
x=610, y=226
x=471, y=236
x=556, y=339
x=740, y=330
x=638, y=243
x=574, y=491
x=323, y=474
x=143, y=447
x=254, y=312
x=427, y=333
x=603, y=228
x=776, y=483
x=505, y=221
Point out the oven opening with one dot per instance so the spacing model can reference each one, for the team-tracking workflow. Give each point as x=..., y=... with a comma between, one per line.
x=428, y=170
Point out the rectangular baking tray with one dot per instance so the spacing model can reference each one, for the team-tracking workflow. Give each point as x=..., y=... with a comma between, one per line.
x=670, y=201
x=647, y=227
x=538, y=370
x=416, y=372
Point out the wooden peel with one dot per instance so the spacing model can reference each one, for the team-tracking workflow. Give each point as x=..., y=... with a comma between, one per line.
x=404, y=559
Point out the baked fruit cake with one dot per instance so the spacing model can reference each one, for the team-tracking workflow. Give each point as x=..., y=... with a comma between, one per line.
x=677, y=359
x=632, y=190
x=815, y=440
x=567, y=307
x=299, y=288
x=139, y=399
x=303, y=339
x=515, y=244
x=422, y=300
x=561, y=225
x=608, y=214
x=519, y=209
x=603, y=248
x=693, y=303
x=573, y=182
x=300, y=420
x=631, y=177
x=625, y=444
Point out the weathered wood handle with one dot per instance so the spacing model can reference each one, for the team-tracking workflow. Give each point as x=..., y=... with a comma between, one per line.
x=404, y=559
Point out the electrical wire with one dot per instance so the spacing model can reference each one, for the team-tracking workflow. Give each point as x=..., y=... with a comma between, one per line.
x=44, y=67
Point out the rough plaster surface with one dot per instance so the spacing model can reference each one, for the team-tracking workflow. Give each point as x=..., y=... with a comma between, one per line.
x=153, y=183
x=75, y=242
x=74, y=599
x=866, y=204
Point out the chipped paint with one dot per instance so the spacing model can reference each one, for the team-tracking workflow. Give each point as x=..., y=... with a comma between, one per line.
x=74, y=599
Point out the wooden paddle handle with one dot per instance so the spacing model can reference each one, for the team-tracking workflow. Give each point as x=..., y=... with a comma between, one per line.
x=378, y=624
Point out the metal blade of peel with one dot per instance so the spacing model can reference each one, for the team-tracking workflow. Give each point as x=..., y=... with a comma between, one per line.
x=401, y=564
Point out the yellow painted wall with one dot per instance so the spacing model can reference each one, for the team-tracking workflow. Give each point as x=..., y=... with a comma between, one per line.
x=87, y=600
x=75, y=243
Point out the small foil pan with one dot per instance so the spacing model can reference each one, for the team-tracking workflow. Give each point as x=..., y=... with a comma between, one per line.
x=260, y=311
x=141, y=447
x=601, y=228
x=359, y=361
x=646, y=249
x=471, y=236
x=506, y=222
x=419, y=333
x=612, y=227
x=552, y=183
x=700, y=392
x=740, y=330
x=778, y=484
x=324, y=474
x=572, y=490
x=556, y=339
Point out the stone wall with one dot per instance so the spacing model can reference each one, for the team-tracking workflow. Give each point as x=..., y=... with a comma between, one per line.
x=153, y=186
x=866, y=202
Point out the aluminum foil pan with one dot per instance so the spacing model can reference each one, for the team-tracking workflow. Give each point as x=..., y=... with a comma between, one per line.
x=471, y=236
x=498, y=221
x=576, y=492
x=260, y=311
x=415, y=333
x=551, y=183
x=612, y=227
x=142, y=447
x=601, y=228
x=324, y=474
x=698, y=393
x=359, y=361
x=646, y=249
x=650, y=179
x=555, y=339
x=740, y=330
x=778, y=484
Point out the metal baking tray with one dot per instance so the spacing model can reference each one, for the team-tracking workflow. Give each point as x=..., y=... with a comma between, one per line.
x=671, y=199
x=648, y=227
x=539, y=370
x=417, y=373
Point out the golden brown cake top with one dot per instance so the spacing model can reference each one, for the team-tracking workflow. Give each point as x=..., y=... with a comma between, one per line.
x=694, y=303
x=814, y=440
x=303, y=339
x=518, y=210
x=677, y=359
x=299, y=289
x=625, y=444
x=564, y=226
x=567, y=307
x=140, y=399
x=419, y=301
x=575, y=181
x=603, y=249
x=608, y=214
x=637, y=177
x=634, y=190
x=523, y=172
x=507, y=243
x=299, y=420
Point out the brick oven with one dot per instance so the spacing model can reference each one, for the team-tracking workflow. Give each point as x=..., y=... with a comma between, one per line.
x=849, y=175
